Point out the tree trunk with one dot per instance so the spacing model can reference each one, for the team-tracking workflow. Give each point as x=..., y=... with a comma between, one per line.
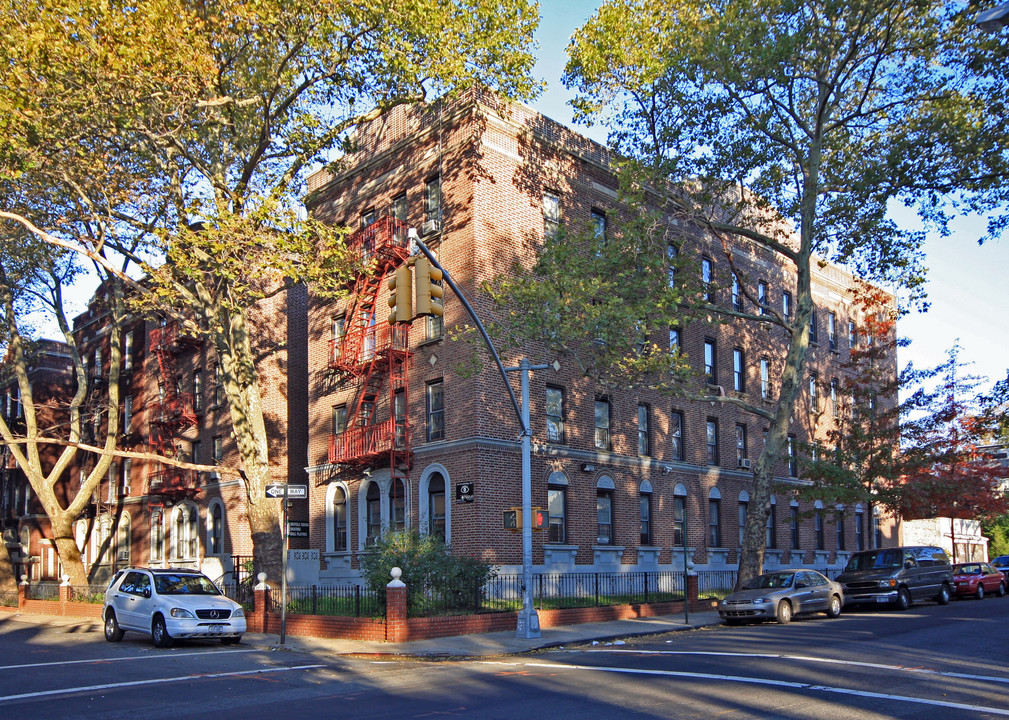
x=8, y=583
x=66, y=546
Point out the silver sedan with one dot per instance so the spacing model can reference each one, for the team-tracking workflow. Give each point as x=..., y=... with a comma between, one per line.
x=782, y=594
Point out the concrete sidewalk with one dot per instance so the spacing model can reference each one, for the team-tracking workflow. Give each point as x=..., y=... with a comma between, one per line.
x=487, y=644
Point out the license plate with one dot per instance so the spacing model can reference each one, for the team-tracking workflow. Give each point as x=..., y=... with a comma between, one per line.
x=216, y=629
x=882, y=599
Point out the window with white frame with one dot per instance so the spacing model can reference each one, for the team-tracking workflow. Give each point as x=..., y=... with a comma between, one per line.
x=215, y=528
x=818, y=524
x=711, y=441
x=340, y=512
x=707, y=279
x=738, y=370
x=710, y=362
x=676, y=434
x=771, y=527
x=604, y=516
x=557, y=512
x=602, y=422
x=832, y=330
x=737, y=298
x=762, y=297
x=765, y=379
x=645, y=512
x=714, y=518
x=644, y=433
x=555, y=414
x=551, y=214
x=435, y=399
x=436, y=519
x=679, y=515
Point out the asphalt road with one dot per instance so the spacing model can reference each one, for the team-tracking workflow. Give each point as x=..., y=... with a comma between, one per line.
x=930, y=662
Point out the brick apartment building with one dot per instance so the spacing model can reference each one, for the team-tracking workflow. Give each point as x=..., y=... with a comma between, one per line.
x=388, y=433
x=481, y=181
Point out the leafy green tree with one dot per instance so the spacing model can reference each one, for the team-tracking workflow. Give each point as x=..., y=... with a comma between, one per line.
x=185, y=152
x=825, y=113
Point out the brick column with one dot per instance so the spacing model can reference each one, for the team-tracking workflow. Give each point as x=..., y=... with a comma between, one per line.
x=64, y=594
x=395, y=608
x=22, y=592
x=692, y=589
x=260, y=606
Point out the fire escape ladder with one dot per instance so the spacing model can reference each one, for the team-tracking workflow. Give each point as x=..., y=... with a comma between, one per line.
x=169, y=416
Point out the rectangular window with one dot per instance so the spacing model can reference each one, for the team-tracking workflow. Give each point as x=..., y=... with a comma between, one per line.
x=786, y=304
x=432, y=206
x=194, y=452
x=96, y=367
x=368, y=218
x=555, y=414
x=762, y=296
x=198, y=391
x=339, y=330
x=737, y=298
x=710, y=359
x=771, y=529
x=712, y=441
x=551, y=214
x=128, y=351
x=743, y=505
x=604, y=517
x=644, y=436
x=602, y=420
x=339, y=419
x=435, y=411
x=127, y=469
x=111, y=479
x=599, y=226
x=398, y=208
x=674, y=340
x=556, y=506
x=671, y=256
x=127, y=414
x=859, y=531
x=852, y=334
x=738, y=370
x=679, y=514
x=741, y=450
x=676, y=435
x=707, y=276
x=835, y=407
x=646, y=518
x=218, y=449
x=399, y=419
x=818, y=528
x=812, y=327
x=765, y=379
x=832, y=330
x=793, y=462
x=839, y=520
x=814, y=399
x=794, y=526
x=714, y=523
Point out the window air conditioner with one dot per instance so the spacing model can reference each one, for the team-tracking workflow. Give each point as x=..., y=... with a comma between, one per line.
x=431, y=226
x=744, y=463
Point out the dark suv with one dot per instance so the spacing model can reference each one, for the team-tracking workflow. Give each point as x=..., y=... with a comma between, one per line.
x=897, y=576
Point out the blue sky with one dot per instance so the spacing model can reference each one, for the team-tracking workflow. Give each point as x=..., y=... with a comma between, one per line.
x=967, y=284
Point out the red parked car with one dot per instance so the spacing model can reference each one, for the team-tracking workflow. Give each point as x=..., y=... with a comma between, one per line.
x=977, y=579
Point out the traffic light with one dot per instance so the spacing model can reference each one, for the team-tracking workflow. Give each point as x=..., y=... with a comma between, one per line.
x=401, y=310
x=513, y=519
x=541, y=519
x=429, y=295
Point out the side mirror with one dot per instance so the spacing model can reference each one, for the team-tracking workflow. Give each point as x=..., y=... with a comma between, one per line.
x=147, y=592
x=801, y=584
x=908, y=564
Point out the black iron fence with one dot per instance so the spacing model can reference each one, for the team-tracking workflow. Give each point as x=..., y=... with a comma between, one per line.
x=8, y=598
x=346, y=600
x=93, y=593
x=44, y=591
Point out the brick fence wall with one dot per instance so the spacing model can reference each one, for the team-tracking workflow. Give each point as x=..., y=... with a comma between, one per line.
x=396, y=626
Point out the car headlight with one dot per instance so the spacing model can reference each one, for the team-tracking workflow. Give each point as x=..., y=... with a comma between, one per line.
x=181, y=613
x=888, y=583
x=239, y=612
x=758, y=601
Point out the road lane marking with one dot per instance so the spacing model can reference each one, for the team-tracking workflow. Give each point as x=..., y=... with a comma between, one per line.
x=810, y=658
x=151, y=681
x=764, y=681
x=100, y=661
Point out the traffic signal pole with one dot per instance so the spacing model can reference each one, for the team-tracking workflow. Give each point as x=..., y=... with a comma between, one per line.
x=528, y=624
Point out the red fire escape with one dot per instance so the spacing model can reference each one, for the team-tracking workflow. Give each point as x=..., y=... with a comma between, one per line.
x=375, y=356
x=173, y=413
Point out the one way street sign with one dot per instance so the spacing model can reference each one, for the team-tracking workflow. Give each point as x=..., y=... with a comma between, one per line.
x=287, y=491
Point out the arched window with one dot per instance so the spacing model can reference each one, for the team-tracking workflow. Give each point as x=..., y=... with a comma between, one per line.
x=373, y=517
x=215, y=528
x=645, y=498
x=339, y=515
x=744, y=504
x=157, y=536
x=714, y=518
x=679, y=514
x=185, y=539
x=397, y=504
x=604, y=510
x=436, y=505
x=123, y=541
x=771, y=539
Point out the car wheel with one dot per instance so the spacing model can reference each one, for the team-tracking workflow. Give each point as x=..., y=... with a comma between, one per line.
x=1001, y=590
x=903, y=599
x=113, y=633
x=979, y=593
x=784, y=612
x=160, y=633
x=834, y=607
x=231, y=640
x=943, y=597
